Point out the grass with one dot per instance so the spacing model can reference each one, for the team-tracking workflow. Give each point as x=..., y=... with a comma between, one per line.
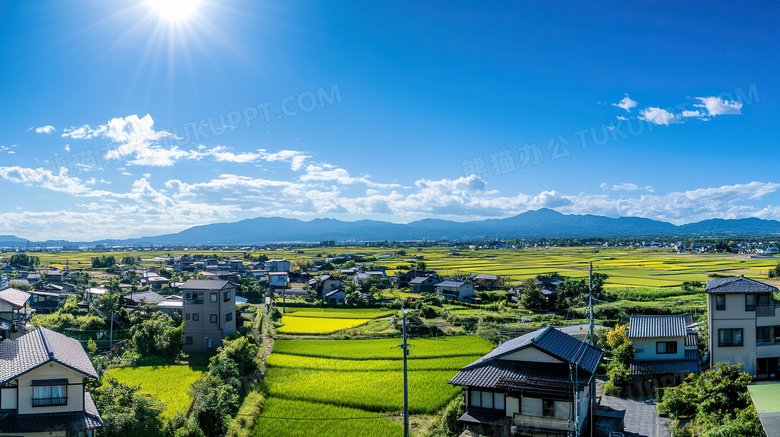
x=384, y=349
x=168, y=383
x=336, y=313
x=312, y=325
x=367, y=374
x=766, y=396
x=293, y=418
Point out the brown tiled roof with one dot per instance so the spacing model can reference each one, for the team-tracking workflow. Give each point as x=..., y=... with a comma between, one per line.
x=12, y=423
x=39, y=347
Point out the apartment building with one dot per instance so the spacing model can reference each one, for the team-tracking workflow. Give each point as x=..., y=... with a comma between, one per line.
x=209, y=313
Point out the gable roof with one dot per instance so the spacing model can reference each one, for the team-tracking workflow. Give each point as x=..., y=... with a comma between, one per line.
x=422, y=279
x=39, y=347
x=147, y=296
x=15, y=297
x=204, y=284
x=450, y=283
x=738, y=284
x=552, y=341
x=657, y=326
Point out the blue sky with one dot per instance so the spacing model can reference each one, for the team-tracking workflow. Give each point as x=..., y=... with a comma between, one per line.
x=119, y=120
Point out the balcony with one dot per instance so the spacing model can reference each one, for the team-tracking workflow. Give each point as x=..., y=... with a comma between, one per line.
x=197, y=301
x=767, y=341
x=766, y=310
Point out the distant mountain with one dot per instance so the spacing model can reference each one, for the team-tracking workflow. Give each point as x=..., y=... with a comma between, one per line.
x=12, y=241
x=542, y=223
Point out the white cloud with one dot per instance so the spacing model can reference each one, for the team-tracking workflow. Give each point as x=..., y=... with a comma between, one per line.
x=626, y=103
x=718, y=106
x=67, y=147
x=45, y=129
x=659, y=116
x=44, y=179
x=620, y=117
x=692, y=114
x=84, y=132
x=626, y=187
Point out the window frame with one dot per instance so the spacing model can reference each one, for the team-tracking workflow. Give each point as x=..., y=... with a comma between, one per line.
x=228, y=317
x=49, y=400
x=226, y=297
x=722, y=334
x=720, y=302
x=195, y=317
x=213, y=318
x=214, y=297
x=188, y=340
x=750, y=306
x=548, y=406
x=667, y=349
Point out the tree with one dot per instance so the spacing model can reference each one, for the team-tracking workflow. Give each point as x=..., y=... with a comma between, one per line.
x=127, y=414
x=243, y=352
x=532, y=296
x=214, y=403
x=23, y=259
x=157, y=336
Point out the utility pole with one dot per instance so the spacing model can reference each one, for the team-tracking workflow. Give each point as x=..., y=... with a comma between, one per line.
x=405, y=349
x=284, y=300
x=111, y=335
x=590, y=303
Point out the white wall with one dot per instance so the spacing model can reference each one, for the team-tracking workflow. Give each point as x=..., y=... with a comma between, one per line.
x=531, y=354
x=51, y=371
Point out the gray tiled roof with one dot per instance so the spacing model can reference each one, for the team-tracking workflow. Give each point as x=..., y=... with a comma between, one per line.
x=657, y=326
x=502, y=374
x=450, y=283
x=149, y=297
x=204, y=284
x=553, y=342
x=690, y=364
x=15, y=297
x=39, y=347
x=53, y=422
x=421, y=279
x=738, y=284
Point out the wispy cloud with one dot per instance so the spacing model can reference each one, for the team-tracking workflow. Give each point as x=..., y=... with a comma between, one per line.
x=45, y=129
x=659, y=116
x=626, y=187
x=626, y=103
x=719, y=106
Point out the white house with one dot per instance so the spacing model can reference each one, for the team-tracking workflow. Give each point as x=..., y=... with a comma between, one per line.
x=42, y=387
x=457, y=290
x=278, y=265
x=277, y=279
x=744, y=325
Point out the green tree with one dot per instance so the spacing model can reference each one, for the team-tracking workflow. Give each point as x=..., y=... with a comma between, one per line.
x=214, y=403
x=532, y=296
x=127, y=414
x=158, y=335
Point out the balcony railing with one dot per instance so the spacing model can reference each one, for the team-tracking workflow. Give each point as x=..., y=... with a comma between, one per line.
x=765, y=310
x=767, y=341
x=193, y=301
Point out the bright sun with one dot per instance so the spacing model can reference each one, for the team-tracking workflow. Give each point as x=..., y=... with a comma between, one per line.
x=174, y=10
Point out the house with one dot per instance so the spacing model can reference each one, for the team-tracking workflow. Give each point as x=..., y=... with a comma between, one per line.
x=278, y=265
x=325, y=284
x=209, y=313
x=457, y=290
x=277, y=279
x=335, y=296
x=42, y=387
x=744, y=325
x=538, y=384
x=13, y=311
x=402, y=279
x=143, y=298
x=666, y=349
x=44, y=302
x=367, y=277
x=484, y=281
x=156, y=283
x=423, y=284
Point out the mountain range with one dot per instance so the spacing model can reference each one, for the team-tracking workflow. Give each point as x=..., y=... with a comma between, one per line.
x=542, y=223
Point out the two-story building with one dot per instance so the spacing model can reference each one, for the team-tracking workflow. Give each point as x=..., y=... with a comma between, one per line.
x=423, y=284
x=42, y=387
x=13, y=312
x=744, y=325
x=538, y=384
x=209, y=313
x=666, y=349
x=278, y=265
x=458, y=290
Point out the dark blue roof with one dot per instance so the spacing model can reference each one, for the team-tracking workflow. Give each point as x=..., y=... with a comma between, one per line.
x=657, y=326
x=738, y=284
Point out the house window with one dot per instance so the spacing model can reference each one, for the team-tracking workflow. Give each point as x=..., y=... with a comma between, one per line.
x=763, y=335
x=486, y=399
x=229, y=317
x=213, y=318
x=195, y=316
x=730, y=337
x=666, y=347
x=720, y=302
x=187, y=316
x=750, y=302
x=227, y=296
x=213, y=297
x=50, y=392
x=548, y=408
x=187, y=340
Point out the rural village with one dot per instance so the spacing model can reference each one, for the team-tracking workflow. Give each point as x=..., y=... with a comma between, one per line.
x=501, y=341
